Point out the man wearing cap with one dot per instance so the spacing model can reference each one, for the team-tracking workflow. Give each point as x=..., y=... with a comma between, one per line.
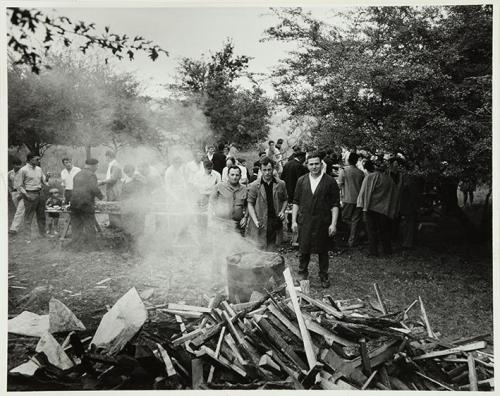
x=67, y=175
x=31, y=180
x=83, y=221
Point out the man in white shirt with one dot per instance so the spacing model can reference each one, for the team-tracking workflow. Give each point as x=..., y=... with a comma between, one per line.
x=17, y=199
x=113, y=185
x=195, y=167
x=67, y=175
x=205, y=184
x=314, y=214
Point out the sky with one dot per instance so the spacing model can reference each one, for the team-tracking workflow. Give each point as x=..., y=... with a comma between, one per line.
x=189, y=32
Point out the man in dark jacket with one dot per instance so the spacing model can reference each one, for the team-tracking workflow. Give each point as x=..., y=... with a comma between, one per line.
x=83, y=222
x=315, y=212
x=292, y=170
x=219, y=159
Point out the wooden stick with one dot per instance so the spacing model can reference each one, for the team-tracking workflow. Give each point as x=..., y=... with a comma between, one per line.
x=217, y=352
x=306, y=337
x=379, y=298
x=489, y=381
x=328, y=309
x=232, y=345
x=223, y=361
x=228, y=308
x=434, y=381
x=169, y=367
x=472, y=373
x=405, y=313
x=186, y=314
x=462, y=348
x=183, y=307
x=370, y=378
x=186, y=337
x=430, y=333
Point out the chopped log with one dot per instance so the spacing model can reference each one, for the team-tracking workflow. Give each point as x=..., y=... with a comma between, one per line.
x=365, y=359
x=384, y=376
x=169, y=367
x=222, y=361
x=206, y=334
x=459, y=349
x=329, y=310
x=379, y=298
x=329, y=337
x=190, y=308
x=228, y=308
x=283, y=319
x=217, y=352
x=472, y=373
x=369, y=380
x=197, y=373
x=266, y=362
x=243, y=306
x=276, y=338
x=231, y=344
x=306, y=337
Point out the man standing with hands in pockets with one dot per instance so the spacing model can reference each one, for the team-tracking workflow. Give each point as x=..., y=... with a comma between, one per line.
x=315, y=212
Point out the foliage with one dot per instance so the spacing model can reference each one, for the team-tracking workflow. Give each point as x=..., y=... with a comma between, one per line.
x=26, y=24
x=415, y=80
x=78, y=102
x=236, y=114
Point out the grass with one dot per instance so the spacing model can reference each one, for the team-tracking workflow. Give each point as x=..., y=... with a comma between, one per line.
x=453, y=279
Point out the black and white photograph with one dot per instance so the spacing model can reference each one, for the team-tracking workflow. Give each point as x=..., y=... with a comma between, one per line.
x=239, y=196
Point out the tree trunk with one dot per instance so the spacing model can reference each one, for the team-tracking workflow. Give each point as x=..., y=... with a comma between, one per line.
x=88, y=153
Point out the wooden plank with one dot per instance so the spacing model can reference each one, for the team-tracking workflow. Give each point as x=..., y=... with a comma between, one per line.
x=328, y=309
x=365, y=359
x=463, y=348
x=306, y=337
x=434, y=381
x=185, y=314
x=329, y=337
x=191, y=308
x=186, y=337
x=379, y=298
x=430, y=333
x=169, y=367
x=217, y=353
x=229, y=340
x=489, y=381
x=228, y=308
x=472, y=373
x=283, y=319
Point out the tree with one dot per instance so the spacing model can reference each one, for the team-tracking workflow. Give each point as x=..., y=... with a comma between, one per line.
x=415, y=80
x=78, y=102
x=27, y=24
x=236, y=114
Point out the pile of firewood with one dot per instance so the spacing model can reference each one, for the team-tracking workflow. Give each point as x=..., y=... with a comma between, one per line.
x=284, y=339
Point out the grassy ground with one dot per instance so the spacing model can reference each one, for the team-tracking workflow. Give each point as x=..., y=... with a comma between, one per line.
x=454, y=280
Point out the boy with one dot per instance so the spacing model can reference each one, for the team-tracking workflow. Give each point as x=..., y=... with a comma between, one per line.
x=54, y=202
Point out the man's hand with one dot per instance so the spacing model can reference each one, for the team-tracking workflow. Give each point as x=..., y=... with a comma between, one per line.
x=295, y=226
x=281, y=215
x=332, y=230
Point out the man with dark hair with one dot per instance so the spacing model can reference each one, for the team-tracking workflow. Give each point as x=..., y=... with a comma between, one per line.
x=83, y=222
x=113, y=185
x=31, y=180
x=15, y=196
x=219, y=159
x=67, y=175
x=271, y=151
x=315, y=211
x=229, y=201
x=349, y=181
x=377, y=200
x=267, y=200
x=293, y=169
x=262, y=155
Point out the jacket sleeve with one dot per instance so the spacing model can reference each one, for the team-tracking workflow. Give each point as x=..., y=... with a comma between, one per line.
x=341, y=178
x=252, y=193
x=361, y=196
x=298, y=191
x=335, y=200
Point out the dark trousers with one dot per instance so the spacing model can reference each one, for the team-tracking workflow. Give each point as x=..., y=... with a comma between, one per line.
x=67, y=196
x=351, y=215
x=83, y=229
x=323, y=264
x=408, y=226
x=33, y=204
x=379, y=229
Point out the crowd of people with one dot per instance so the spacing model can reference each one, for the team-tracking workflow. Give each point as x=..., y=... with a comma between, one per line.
x=309, y=194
